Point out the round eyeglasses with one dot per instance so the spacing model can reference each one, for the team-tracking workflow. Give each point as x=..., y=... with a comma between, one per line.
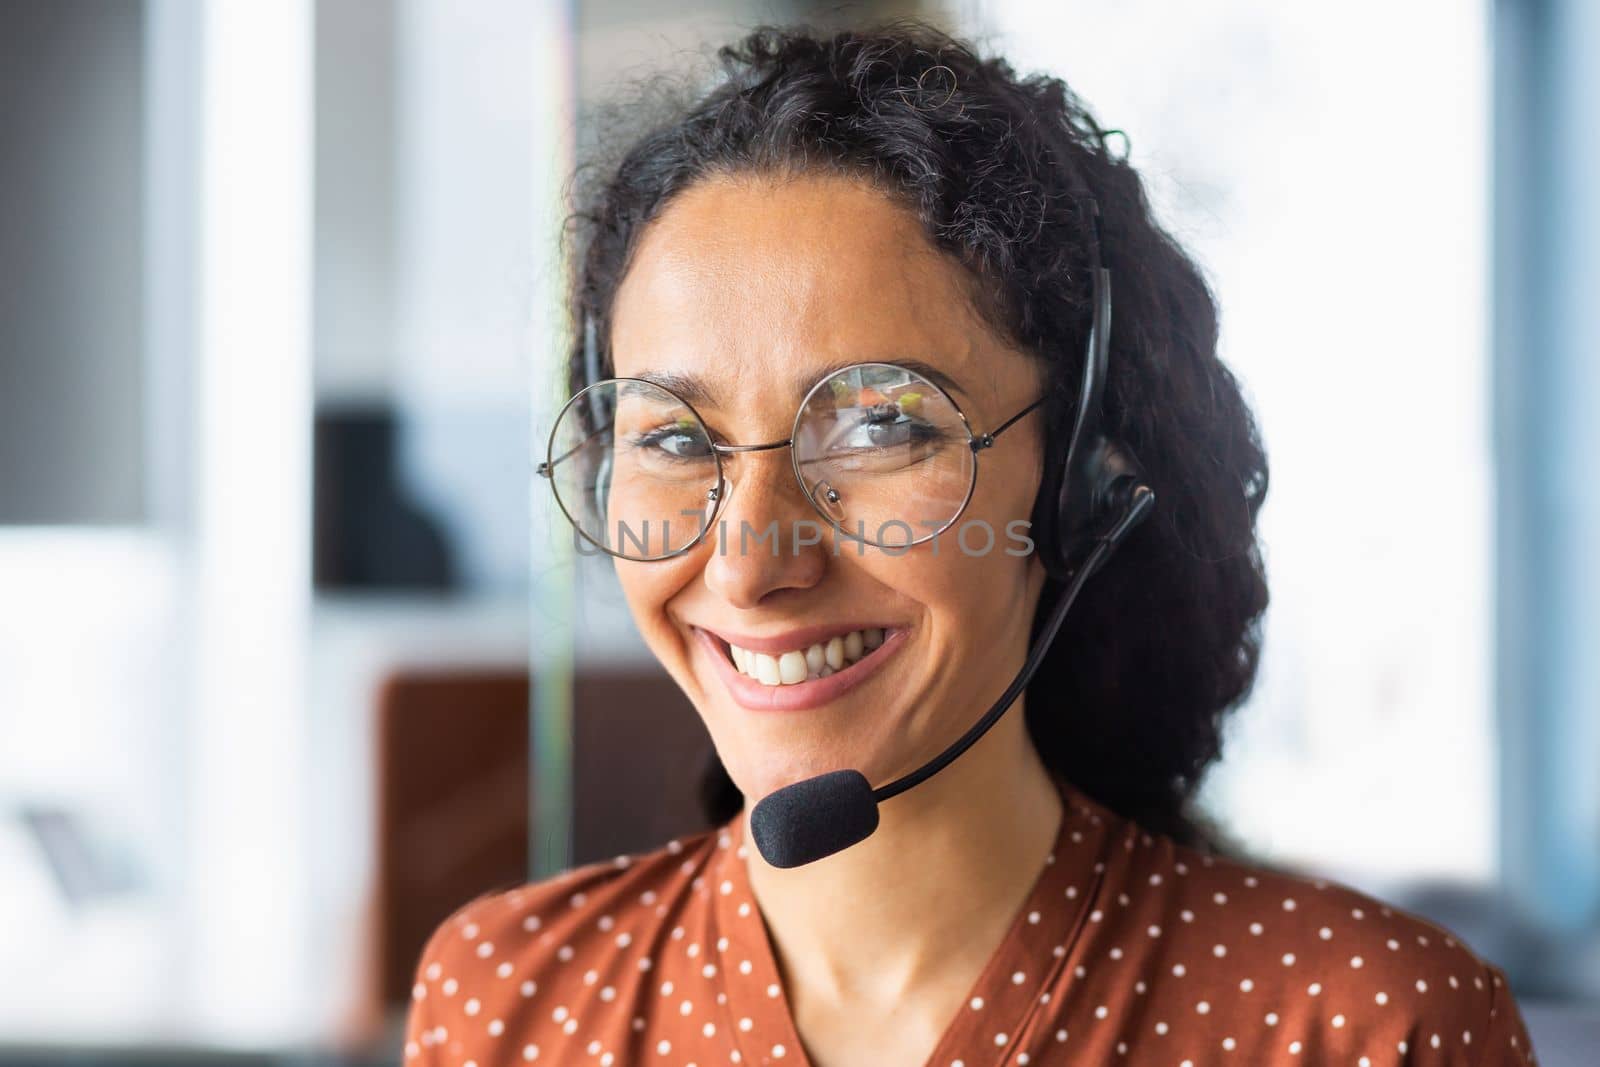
x=883, y=454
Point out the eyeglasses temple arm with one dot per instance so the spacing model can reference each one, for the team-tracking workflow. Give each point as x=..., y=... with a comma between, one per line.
x=983, y=441
x=547, y=468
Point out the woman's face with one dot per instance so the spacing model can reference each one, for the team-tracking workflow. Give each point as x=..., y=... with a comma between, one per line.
x=743, y=292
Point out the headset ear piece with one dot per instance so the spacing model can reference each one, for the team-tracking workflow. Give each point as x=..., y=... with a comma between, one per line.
x=1085, y=493
x=1119, y=495
x=1117, y=478
x=1069, y=529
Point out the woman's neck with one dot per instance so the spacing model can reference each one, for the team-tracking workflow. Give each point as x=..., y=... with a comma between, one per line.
x=926, y=898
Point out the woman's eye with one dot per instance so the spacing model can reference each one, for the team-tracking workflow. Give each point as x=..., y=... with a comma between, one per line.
x=677, y=440
x=885, y=426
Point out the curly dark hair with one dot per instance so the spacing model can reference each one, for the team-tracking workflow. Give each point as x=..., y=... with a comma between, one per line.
x=1165, y=640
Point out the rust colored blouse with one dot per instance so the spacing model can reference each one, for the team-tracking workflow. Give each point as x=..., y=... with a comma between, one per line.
x=1129, y=949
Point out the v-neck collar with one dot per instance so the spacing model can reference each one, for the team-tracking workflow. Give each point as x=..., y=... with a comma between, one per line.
x=1003, y=1004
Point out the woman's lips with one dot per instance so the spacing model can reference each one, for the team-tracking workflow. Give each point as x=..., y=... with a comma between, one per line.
x=751, y=694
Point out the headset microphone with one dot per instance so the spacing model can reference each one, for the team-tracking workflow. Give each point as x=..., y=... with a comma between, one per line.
x=816, y=817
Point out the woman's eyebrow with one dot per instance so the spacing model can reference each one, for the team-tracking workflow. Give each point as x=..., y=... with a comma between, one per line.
x=684, y=386
x=692, y=388
x=917, y=366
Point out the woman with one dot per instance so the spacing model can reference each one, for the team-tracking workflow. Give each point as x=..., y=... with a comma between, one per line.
x=801, y=293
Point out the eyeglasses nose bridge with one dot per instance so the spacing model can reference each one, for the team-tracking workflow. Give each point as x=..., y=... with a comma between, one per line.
x=769, y=446
x=725, y=489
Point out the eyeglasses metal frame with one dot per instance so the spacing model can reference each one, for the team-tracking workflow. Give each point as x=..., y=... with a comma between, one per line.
x=715, y=495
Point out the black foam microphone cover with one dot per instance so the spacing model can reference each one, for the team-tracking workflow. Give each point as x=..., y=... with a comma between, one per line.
x=804, y=822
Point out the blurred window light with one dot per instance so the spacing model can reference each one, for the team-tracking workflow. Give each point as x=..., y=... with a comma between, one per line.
x=247, y=877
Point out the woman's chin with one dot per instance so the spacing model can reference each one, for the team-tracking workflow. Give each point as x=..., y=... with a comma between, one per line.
x=764, y=781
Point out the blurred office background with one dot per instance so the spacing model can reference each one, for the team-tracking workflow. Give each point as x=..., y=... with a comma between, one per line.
x=279, y=327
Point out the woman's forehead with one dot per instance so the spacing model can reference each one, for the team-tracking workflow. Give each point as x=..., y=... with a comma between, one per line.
x=778, y=282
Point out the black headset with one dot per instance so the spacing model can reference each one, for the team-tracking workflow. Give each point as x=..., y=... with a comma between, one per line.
x=1081, y=499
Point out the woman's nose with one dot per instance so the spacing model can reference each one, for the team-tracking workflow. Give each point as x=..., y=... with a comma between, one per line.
x=768, y=537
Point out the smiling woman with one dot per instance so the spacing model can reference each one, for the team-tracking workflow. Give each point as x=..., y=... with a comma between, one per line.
x=816, y=295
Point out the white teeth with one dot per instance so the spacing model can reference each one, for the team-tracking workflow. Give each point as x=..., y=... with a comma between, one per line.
x=814, y=661
x=792, y=667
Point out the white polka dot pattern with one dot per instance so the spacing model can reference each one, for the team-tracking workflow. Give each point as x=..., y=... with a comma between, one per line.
x=1129, y=949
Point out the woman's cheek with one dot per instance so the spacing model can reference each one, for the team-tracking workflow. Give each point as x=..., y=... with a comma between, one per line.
x=649, y=589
